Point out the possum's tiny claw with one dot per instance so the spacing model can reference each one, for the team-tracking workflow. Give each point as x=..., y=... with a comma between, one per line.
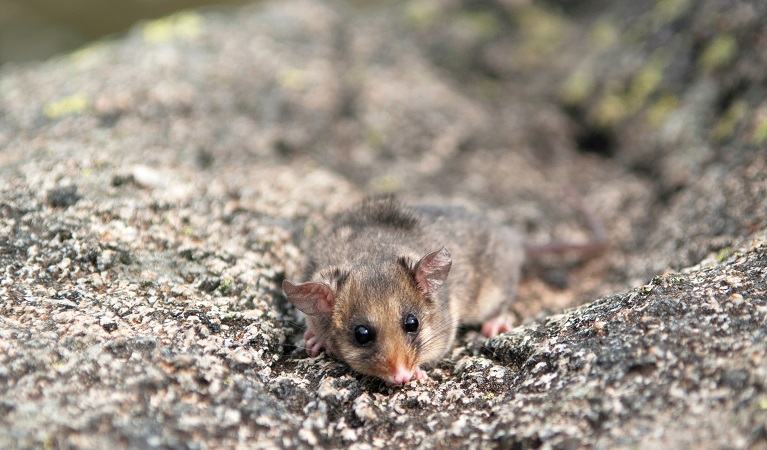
x=497, y=325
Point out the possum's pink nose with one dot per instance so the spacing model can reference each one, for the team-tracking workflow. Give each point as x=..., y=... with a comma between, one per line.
x=400, y=374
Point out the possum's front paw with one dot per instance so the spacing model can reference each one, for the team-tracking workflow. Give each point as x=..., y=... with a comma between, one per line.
x=402, y=375
x=314, y=344
x=497, y=325
x=420, y=374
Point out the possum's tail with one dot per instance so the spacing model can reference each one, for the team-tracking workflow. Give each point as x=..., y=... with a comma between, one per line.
x=593, y=247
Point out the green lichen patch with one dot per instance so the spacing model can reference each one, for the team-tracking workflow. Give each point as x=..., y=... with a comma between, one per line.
x=719, y=52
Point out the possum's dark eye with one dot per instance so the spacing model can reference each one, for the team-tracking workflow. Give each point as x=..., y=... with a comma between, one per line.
x=411, y=324
x=363, y=335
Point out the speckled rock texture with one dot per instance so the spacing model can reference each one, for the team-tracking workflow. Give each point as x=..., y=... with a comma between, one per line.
x=155, y=190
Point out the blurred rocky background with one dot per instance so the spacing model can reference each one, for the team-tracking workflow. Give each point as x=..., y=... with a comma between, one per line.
x=38, y=29
x=157, y=186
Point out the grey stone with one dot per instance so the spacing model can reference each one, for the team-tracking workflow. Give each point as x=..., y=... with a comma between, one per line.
x=155, y=190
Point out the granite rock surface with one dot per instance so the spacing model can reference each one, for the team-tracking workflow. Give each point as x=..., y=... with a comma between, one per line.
x=156, y=188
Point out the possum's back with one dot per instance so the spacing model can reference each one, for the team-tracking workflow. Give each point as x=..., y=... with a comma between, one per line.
x=486, y=255
x=376, y=230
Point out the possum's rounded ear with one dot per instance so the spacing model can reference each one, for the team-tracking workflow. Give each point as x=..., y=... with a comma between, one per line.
x=432, y=270
x=310, y=298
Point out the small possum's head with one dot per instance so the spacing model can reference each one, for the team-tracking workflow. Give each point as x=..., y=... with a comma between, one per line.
x=383, y=321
